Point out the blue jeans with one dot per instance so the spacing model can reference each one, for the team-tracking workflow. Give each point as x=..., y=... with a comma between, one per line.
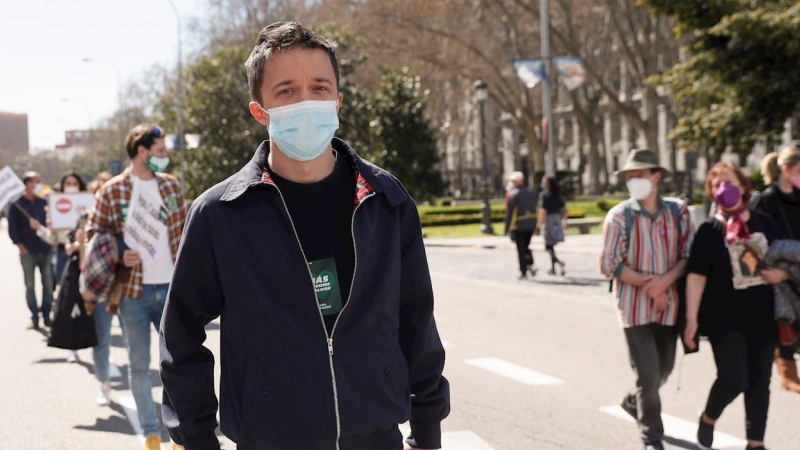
x=30, y=262
x=137, y=315
x=100, y=352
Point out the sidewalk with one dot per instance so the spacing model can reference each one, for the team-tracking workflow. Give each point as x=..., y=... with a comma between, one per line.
x=590, y=244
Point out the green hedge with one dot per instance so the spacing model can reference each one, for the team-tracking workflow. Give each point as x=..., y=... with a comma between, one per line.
x=458, y=210
x=498, y=215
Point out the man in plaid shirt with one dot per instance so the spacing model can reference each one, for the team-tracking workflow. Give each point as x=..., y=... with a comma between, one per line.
x=146, y=290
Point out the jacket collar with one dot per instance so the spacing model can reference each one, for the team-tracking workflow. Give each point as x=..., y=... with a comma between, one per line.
x=369, y=177
x=638, y=209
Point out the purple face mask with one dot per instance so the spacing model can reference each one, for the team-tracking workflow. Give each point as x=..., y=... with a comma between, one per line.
x=727, y=195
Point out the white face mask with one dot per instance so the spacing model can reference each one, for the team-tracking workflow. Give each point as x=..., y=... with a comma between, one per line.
x=71, y=190
x=640, y=188
x=38, y=188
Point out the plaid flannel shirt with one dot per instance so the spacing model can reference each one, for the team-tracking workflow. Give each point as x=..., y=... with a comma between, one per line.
x=98, y=266
x=111, y=206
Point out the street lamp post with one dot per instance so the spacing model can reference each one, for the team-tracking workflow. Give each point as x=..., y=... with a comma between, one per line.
x=547, y=100
x=120, y=104
x=481, y=91
x=179, y=144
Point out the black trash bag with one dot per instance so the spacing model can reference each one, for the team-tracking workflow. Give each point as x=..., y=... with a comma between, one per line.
x=72, y=328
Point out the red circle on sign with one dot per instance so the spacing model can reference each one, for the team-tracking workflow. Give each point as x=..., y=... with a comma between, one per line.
x=63, y=205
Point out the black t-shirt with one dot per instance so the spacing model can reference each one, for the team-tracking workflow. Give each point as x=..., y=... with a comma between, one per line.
x=322, y=215
x=724, y=307
x=550, y=203
x=784, y=209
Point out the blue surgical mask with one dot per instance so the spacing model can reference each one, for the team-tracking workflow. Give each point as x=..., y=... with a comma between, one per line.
x=303, y=130
x=157, y=163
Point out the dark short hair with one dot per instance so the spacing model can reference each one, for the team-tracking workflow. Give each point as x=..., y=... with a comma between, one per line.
x=280, y=37
x=551, y=183
x=81, y=183
x=27, y=179
x=747, y=185
x=143, y=134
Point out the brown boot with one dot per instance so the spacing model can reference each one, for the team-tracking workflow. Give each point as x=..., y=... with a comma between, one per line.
x=787, y=368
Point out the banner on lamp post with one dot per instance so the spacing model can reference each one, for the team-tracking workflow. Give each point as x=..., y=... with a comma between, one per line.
x=571, y=72
x=530, y=71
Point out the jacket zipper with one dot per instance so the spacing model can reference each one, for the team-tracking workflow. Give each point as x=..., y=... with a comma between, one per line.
x=329, y=337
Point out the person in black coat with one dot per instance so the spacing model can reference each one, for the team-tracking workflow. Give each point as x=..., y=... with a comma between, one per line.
x=781, y=201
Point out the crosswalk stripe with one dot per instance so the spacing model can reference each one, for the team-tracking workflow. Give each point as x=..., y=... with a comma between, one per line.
x=447, y=344
x=113, y=370
x=456, y=440
x=678, y=428
x=514, y=371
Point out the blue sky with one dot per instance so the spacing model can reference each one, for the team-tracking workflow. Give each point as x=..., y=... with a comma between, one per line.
x=43, y=43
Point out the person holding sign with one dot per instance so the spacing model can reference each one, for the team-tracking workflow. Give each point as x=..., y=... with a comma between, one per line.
x=145, y=207
x=33, y=251
x=314, y=260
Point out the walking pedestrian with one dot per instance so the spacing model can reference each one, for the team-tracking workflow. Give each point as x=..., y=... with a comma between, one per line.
x=552, y=220
x=314, y=260
x=71, y=183
x=34, y=252
x=145, y=294
x=732, y=307
x=646, y=241
x=520, y=222
x=781, y=202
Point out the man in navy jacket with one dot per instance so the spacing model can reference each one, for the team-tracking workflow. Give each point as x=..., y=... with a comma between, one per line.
x=33, y=251
x=314, y=260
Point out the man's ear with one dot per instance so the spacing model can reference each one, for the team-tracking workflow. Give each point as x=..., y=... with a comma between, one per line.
x=259, y=114
x=340, y=99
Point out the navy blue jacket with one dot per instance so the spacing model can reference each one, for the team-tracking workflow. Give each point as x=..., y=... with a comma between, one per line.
x=285, y=384
x=19, y=228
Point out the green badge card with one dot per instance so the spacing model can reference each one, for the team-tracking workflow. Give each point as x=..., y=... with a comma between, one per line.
x=326, y=284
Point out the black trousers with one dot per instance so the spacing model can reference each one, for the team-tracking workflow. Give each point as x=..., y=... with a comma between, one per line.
x=744, y=365
x=524, y=254
x=786, y=352
x=651, y=349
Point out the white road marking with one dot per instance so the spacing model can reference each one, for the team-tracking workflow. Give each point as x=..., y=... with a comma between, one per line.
x=447, y=344
x=456, y=440
x=113, y=370
x=680, y=428
x=514, y=371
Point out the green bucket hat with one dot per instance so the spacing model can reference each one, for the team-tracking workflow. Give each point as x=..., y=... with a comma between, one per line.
x=642, y=159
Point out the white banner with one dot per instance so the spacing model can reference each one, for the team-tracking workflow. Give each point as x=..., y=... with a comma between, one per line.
x=530, y=71
x=66, y=209
x=146, y=223
x=571, y=72
x=11, y=186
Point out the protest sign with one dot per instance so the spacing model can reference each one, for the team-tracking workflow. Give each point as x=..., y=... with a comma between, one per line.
x=11, y=187
x=146, y=223
x=66, y=209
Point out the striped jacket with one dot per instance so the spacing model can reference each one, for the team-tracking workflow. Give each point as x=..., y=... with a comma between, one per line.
x=111, y=207
x=655, y=245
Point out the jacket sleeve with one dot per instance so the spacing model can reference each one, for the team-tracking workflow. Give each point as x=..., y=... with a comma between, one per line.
x=13, y=224
x=615, y=244
x=101, y=216
x=187, y=367
x=510, y=206
x=419, y=339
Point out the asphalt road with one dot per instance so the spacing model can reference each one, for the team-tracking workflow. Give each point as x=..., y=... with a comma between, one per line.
x=533, y=364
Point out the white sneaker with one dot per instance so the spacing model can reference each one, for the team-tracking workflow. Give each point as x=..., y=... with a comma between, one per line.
x=73, y=358
x=104, y=399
